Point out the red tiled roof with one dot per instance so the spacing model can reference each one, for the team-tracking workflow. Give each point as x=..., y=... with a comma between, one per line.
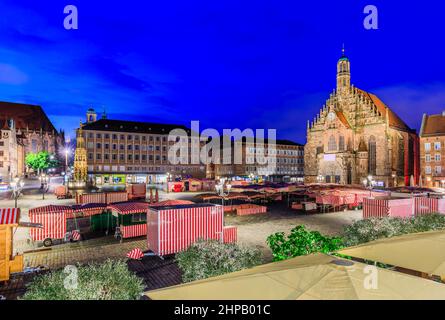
x=394, y=120
x=25, y=116
x=343, y=119
x=433, y=125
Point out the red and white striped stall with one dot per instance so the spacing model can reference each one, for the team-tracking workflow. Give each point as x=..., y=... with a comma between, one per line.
x=387, y=207
x=127, y=208
x=112, y=197
x=174, y=229
x=230, y=234
x=423, y=205
x=9, y=216
x=87, y=210
x=249, y=209
x=91, y=198
x=53, y=219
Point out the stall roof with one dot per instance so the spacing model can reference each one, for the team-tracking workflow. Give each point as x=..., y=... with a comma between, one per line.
x=317, y=276
x=129, y=207
x=9, y=216
x=171, y=203
x=51, y=209
x=184, y=206
x=422, y=252
x=89, y=207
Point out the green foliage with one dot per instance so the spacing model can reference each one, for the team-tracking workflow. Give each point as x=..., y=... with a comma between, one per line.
x=40, y=161
x=301, y=242
x=206, y=259
x=372, y=229
x=110, y=280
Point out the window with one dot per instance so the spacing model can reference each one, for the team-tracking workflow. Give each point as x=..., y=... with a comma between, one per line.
x=139, y=217
x=158, y=148
x=98, y=156
x=1, y=164
x=130, y=137
x=427, y=158
x=428, y=170
x=121, y=157
x=130, y=157
x=157, y=139
x=114, y=156
x=136, y=147
x=98, y=146
x=438, y=170
x=372, y=155
x=1, y=153
x=98, y=136
x=144, y=157
x=122, y=137
x=436, y=145
x=114, y=146
x=341, y=143
x=437, y=157
x=136, y=157
x=90, y=135
x=158, y=158
x=90, y=156
x=106, y=156
x=90, y=145
x=114, y=136
x=332, y=144
x=107, y=146
x=121, y=147
x=130, y=147
x=427, y=146
x=107, y=136
x=150, y=157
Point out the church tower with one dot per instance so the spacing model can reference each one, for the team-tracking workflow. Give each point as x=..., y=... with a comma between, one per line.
x=91, y=115
x=80, y=157
x=343, y=73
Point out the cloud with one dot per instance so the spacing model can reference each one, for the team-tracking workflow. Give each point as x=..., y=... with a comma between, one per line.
x=10, y=74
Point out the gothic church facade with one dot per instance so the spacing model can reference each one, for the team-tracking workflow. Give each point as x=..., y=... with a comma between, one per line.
x=355, y=135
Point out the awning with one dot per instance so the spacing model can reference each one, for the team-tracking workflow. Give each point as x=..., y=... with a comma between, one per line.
x=129, y=207
x=170, y=203
x=89, y=208
x=9, y=216
x=51, y=209
x=317, y=276
x=424, y=252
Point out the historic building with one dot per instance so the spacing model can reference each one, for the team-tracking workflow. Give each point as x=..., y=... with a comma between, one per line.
x=288, y=161
x=119, y=152
x=356, y=135
x=432, y=150
x=24, y=128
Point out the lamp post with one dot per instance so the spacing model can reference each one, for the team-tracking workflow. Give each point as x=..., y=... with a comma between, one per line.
x=67, y=152
x=43, y=184
x=220, y=189
x=369, y=182
x=17, y=187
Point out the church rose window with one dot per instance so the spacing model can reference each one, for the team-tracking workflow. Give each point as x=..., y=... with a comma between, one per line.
x=372, y=155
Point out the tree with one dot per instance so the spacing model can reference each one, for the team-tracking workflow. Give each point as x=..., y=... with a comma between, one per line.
x=40, y=161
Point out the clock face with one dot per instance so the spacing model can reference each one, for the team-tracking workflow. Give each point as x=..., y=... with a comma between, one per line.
x=331, y=116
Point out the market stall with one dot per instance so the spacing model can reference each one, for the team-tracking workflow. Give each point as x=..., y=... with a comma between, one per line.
x=9, y=263
x=174, y=228
x=131, y=219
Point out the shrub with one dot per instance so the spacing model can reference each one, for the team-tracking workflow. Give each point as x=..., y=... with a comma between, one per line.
x=108, y=281
x=205, y=259
x=372, y=229
x=301, y=242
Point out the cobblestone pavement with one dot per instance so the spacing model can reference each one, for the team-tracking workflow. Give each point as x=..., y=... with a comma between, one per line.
x=83, y=252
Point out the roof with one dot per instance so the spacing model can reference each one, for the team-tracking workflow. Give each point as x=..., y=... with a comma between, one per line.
x=129, y=207
x=25, y=116
x=281, y=142
x=318, y=276
x=9, y=216
x=51, y=209
x=433, y=125
x=132, y=126
x=185, y=206
x=421, y=252
x=394, y=120
x=342, y=118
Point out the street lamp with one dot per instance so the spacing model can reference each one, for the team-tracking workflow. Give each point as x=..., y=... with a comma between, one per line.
x=17, y=187
x=67, y=152
x=43, y=184
x=220, y=189
x=369, y=182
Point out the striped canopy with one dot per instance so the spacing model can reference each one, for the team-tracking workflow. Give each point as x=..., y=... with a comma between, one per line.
x=170, y=203
x=90, y=208
x=129, y=207
x=9, y=216
x=52, y=209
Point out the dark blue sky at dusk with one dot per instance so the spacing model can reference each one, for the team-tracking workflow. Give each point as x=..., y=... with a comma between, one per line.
x=229, y=64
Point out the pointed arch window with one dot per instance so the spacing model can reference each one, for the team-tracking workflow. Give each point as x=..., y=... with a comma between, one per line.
x=341, y=143
x=372, y=156
x=332, y=144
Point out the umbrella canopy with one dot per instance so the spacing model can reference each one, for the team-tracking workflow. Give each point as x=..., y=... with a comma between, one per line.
x=170, y=203
x=422, y=252
x=317, y=276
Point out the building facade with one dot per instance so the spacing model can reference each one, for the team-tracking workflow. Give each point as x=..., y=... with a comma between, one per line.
x=356, y=135
x=24, y=129
x=432, y=150
x=287, y=162
x=120, y=152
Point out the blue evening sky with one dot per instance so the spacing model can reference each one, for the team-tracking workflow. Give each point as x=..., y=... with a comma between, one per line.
x=230, y=64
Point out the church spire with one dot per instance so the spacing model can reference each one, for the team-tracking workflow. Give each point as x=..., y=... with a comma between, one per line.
x=343, y=72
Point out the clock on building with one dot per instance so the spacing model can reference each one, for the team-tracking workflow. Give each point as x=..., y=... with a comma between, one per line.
x=331, y=116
